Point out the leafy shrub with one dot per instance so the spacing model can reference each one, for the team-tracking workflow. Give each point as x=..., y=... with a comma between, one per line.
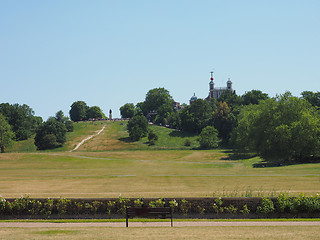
x=138, y=202
x=200, y=210
x=111, y=206
x=187, y=142
x=184, y=206
x=301, y=203
x=266, y=207
x=157, y=203
x=50, y=134
x=173, y=204
x=122, y=204
x=245, y=210
x=63, y=205
x=231, y=209
x=208, y=138
x=48, y=207
x=152, y=137
x=217, y=206
x=35, y=207
x=137, y=127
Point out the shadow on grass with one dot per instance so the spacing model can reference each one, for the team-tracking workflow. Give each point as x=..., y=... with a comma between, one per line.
x=281, y=163
x=181, y=134
x=237, y=155
x=126, y=140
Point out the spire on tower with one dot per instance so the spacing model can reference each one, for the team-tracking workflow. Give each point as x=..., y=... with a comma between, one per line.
x=211, y=73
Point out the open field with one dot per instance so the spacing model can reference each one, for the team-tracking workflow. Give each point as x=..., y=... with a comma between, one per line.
x=166, y=173
x=257, y=232
x=108, y=165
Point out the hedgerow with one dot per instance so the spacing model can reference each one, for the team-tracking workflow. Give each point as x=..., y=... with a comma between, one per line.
x=283, y=205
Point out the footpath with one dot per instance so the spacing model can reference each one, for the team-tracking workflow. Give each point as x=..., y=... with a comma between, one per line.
x=157, y=224
x=88, y=138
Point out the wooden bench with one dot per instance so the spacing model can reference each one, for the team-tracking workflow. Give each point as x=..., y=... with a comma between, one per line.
x=160, y=212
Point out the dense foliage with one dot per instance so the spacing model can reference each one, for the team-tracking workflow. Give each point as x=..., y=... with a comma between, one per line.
x=137, y=127
x=78, y=111
x=208, y=138
x=21, y=118
x=81, y=111
x=279, y=207
x=95, y=112
x=127, y=110
x=196, y=116
x=6, y=135
x=282, y=129
x=155, y=98
x=51, y=134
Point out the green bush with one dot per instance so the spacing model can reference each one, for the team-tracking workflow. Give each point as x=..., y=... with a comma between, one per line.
x=266, y=207
x=152, y=137
x=245, y=210
x=231, y=209
x=157, y=203
x=122, y=204
x=208, y=138
x=137, y=127
x=63, y=205
x=184, y=206
x=187, y=143
x=217, y=206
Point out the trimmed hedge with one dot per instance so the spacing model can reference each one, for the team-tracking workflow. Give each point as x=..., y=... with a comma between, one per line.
x=281, y=206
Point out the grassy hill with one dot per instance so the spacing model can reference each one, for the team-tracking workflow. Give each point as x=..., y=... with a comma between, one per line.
x=114, y=137
x=109, y=164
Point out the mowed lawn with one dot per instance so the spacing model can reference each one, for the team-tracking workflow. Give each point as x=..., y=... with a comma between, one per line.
x=109, y=165
x=161, y=173
x=272, y=232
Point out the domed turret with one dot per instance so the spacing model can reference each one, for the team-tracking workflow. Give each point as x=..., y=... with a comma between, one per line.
x=193, y=98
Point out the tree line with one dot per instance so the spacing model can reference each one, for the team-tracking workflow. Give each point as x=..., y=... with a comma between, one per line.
x=18, y=122
x=284, y=128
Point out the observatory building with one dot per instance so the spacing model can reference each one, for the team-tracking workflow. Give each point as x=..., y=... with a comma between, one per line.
x=214, y=92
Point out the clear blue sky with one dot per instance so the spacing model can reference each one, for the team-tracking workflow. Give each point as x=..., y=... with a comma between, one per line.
x=108, y=53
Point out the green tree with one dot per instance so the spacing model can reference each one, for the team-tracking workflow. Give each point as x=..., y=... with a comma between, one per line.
x=21, y=118
x=197, y=116
x=60, y=117
x=51, y=134
x=95, y=112
x=155, y=98
x=152, y=137
x=137, y=127
x=224, y=121
x=65, y=120
x=78, y=111
x=231, y=98
x=6, y=135
x=312, y=97
x=253, y=97
x=127, y=110
x=285, y=129
x=208, y=138
x=163, y=114
x=140, y=109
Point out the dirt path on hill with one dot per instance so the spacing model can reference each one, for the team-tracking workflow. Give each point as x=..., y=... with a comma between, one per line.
x=88, y=138
x=158, y=224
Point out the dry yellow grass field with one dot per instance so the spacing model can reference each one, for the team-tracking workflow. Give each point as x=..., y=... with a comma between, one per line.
x=281, y=233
